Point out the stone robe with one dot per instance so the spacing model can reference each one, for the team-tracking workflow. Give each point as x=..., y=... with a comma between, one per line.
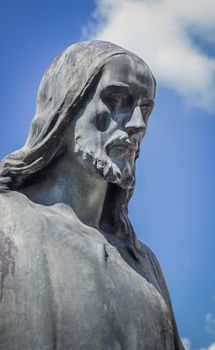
x=65, y=287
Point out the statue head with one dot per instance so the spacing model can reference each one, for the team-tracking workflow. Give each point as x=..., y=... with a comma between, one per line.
x=105, y=94
x=110, y=127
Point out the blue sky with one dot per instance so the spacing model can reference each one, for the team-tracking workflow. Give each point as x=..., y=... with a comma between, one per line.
x=172, y=208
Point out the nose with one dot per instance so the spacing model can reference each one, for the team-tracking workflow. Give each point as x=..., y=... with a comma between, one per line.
x=136, y=122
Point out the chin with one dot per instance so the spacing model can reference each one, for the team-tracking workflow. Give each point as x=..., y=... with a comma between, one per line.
x=128, y=183
x=119, y=172
x=127, y=172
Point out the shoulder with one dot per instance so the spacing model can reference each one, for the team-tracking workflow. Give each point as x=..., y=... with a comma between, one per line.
x=13, y=202
x=18, y=214
x=155, y=266
x=146, y=251
x=12, y=210
x=10, y=196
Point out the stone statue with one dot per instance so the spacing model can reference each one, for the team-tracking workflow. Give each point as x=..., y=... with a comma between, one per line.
x=73, y=274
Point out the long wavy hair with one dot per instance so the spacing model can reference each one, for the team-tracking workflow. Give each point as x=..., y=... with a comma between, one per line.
x=64, y=90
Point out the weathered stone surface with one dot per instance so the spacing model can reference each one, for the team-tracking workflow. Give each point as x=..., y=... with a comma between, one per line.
x=73, y=274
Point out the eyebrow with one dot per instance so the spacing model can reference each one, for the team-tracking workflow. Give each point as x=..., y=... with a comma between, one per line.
x=121, y=85
x=118, y=85
x=128, y=89
x=147, y=100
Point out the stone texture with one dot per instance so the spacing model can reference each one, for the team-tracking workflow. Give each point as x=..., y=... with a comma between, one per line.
x=73, y=273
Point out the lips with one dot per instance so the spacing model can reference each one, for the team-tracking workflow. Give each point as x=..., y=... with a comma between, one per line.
x=123, y=142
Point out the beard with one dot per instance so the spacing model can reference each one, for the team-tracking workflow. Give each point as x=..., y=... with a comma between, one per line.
x=119, y=171
x=112, y=165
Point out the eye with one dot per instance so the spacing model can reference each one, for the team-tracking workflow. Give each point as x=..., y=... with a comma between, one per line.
x=117, y=96
x=103, y=121
x=118, y=101
x=146, y=110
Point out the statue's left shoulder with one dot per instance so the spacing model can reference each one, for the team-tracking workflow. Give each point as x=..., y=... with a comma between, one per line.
x=156, y=268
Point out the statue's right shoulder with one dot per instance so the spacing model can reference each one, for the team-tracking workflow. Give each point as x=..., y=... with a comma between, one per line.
x=10, y=199
x=13, y=207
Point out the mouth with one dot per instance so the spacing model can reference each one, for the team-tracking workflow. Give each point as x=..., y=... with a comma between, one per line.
x=122, y=144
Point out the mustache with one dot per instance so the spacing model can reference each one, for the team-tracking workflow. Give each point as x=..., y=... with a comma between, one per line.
x=123, y=141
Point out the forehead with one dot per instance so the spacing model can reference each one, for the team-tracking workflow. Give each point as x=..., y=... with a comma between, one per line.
x=124, y=69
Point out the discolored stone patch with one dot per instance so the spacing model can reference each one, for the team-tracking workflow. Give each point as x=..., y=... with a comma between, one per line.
x=7, y=259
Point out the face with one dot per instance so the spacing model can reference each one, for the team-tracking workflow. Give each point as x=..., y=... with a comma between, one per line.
x=109, y=130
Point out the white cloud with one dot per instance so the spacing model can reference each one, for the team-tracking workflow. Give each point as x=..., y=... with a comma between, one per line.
x=211, y=347
x=186, y=342
x=160, y=32
x=210, y=324
x=187, y=345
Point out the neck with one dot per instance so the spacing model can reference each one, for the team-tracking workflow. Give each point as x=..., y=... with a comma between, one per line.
x=68, y=183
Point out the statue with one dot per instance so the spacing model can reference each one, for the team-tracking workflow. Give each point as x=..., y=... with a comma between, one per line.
x=73, y=274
